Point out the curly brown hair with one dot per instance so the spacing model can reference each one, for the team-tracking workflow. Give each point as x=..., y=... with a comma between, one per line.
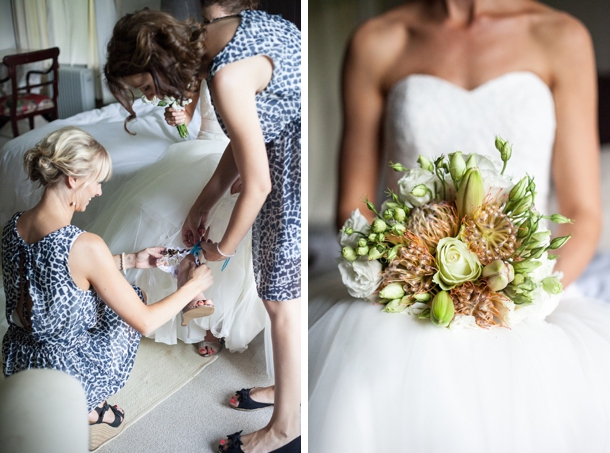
x=231, y=6
x=157, y=43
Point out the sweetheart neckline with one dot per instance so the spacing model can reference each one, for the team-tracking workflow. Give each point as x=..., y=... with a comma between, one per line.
x=474, y=90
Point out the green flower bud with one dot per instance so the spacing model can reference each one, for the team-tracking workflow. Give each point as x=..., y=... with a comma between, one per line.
x=392, y=204
x=379, y=226
x=388, y=214
x=422, y=297
x=457, y=166
x=399, y=214
x=524, y=228
x=398, y=167
x=420, y=190
x=380, y=237
x=362, y=242
x=394, y=306
x=505, y=150
x=519, y=278
x=362, y=251
x=392, y=291
x=348, y=231
x=526, y=267
x=392, y=253
x=348, y=253
x=552, y=257
x=470, y=194
x=558, y=242
x=442, y=309
x=399, y=228
x=498, y=274
x=558, y=218
x=518, y=191
x=425, y=314
x=371, y=237
x=522, y=299
x=524, y=205
x=537, y=253
x=552, y=285
x=375, y=253
x=499, y=142
x=425, y=163
x=471, y=162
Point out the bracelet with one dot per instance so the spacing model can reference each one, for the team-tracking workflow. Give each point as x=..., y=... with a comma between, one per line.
x=123, y=263
x=219, y=251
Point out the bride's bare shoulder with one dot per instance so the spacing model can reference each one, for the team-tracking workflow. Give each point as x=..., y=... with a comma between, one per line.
x=557, y=31
x=384, y=37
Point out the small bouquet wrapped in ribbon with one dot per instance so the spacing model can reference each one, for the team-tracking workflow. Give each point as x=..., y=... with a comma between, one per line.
x=460, y=244
x=173, y=103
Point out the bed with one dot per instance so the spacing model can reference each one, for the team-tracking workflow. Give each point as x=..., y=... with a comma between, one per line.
x=130, y=153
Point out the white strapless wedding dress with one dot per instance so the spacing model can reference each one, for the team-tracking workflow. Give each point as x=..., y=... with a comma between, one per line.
x=382, y=382
x=150, y=210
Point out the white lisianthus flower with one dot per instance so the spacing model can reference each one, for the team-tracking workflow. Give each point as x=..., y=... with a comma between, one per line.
x=416, y=308
x=483, y=163
x=356, y=222
x=361, y=277
x=495, y=184
x=418, y=177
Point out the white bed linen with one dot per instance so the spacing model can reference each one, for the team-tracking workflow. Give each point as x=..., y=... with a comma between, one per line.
x=129, y=153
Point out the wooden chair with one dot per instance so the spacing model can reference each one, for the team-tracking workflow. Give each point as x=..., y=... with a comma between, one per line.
x=22, y=103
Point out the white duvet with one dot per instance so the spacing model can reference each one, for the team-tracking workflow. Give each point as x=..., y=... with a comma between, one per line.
x=130, y=153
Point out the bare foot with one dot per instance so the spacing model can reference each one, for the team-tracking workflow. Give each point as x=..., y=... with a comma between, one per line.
x=258, y=394
x=212, y=347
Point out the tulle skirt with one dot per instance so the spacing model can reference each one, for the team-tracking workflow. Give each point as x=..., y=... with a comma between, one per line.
x=150, y=210
x=382, y=382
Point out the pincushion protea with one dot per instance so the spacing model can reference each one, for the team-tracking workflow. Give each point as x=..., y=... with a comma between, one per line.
x=477, y=299
x=413, y=266
x=433, y=221
x=489, y=233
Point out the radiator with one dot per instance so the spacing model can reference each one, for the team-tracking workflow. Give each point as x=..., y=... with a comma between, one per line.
x=76, y=91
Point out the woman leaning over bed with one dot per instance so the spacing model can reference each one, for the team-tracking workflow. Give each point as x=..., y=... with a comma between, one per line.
x=67, y=303
x=252, y=64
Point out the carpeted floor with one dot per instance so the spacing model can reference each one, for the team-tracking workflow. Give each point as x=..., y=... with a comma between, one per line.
x=198, y=415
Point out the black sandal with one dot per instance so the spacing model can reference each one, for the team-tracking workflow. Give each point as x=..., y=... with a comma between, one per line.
x=246, y=403
x=101, y=411
x=235, y=443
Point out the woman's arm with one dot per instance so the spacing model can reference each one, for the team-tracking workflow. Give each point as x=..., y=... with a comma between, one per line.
x=92, y=264
x=234, y=88
x=363, y=102
x=576, y=168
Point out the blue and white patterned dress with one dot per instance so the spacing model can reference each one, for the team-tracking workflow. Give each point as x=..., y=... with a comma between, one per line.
x=276, y=233
x=71, y=330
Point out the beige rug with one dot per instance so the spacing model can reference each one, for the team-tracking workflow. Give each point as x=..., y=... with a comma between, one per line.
x=159, y=371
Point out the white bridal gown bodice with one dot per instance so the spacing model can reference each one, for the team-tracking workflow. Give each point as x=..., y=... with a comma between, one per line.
x=382, y=382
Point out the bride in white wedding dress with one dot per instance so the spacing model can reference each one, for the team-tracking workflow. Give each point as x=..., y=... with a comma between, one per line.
x=433, y=78
x=150, y=209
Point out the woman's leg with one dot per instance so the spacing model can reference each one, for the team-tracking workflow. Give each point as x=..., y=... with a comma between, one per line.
x=284, y=424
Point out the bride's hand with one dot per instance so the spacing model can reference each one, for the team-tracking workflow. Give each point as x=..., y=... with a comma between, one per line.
x=175, y=117
x=147, y=258
x=193, y=228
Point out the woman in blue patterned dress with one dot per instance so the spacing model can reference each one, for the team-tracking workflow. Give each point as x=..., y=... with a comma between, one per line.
x=67, y=304
x=253, y=67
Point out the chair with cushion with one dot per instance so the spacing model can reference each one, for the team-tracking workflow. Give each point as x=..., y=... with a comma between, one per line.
x=22, y=103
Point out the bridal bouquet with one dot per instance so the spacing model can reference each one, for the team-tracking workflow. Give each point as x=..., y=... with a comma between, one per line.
x=459, y=244
x=173, y=103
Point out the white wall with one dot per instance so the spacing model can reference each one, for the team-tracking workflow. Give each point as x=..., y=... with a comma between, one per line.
x=7, y=35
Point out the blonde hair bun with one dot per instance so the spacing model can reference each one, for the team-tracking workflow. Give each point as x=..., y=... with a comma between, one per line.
x=68, y=151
